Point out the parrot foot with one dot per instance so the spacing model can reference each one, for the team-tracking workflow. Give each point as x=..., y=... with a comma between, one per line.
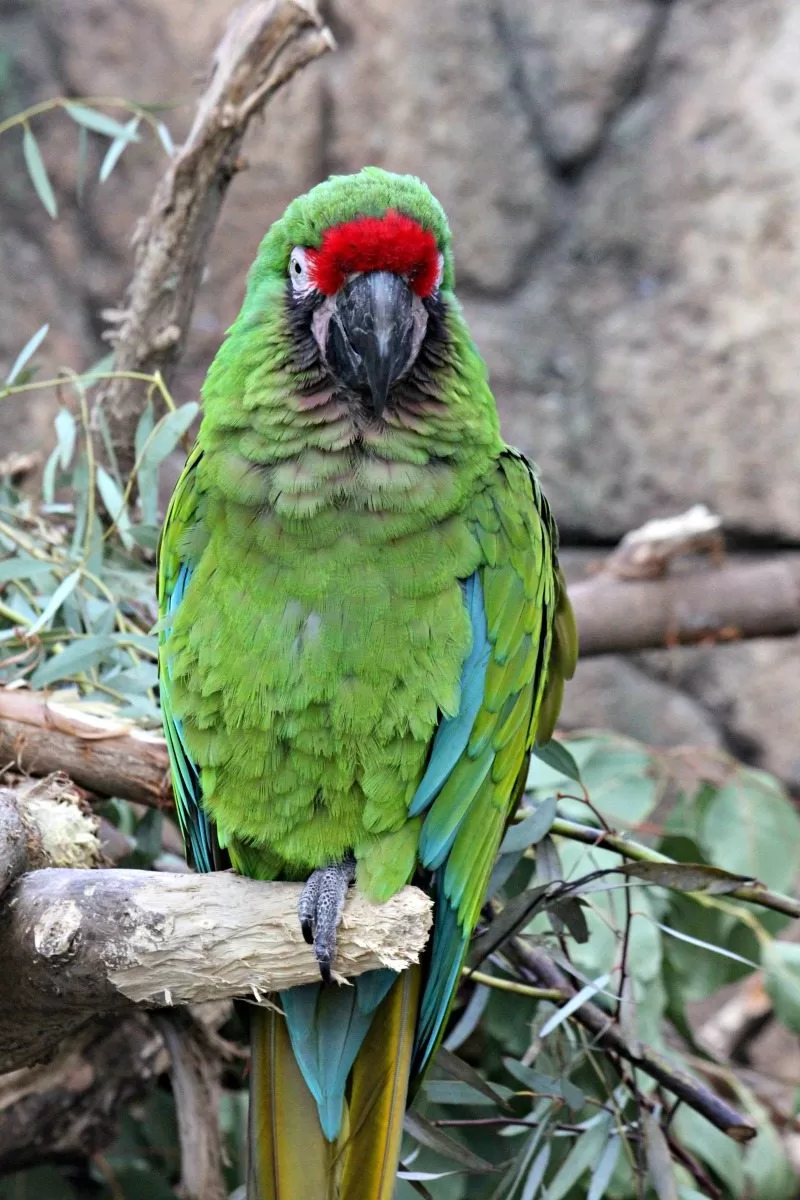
x=320, y=910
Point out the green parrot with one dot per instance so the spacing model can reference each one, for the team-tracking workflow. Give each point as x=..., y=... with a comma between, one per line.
x=364, y=633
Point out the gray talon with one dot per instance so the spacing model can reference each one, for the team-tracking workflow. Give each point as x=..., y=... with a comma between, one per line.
x=320, y=910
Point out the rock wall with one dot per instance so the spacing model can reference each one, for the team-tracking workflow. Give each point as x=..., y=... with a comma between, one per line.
x=623, y=181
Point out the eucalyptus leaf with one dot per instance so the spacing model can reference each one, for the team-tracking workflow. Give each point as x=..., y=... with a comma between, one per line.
x=687, y=877
x=114, y=152
x=77, y=657
x=468, y=1021
x=23, y=566
x=580, y=1159
x=659, y=1159
x=751, y=828
x=455, y=1068
x=557, y=756
x=537, y=1173
x=38, y=172
x=454, y=1091
x=64, y=589
x=98, y=122
x=27, y=352
x=781, y=963
x=166, y=435
x=115, y=506
x=532, y=829
x=601, y=1176
x=573, y=1004
x=66, y=432
x=440, y=1142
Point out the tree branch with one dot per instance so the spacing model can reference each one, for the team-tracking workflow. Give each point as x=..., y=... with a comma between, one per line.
x=69, y=1107
x=106, y=756
x=541, y=970
x=266, y=42
x=739, y=600
x=79, y=943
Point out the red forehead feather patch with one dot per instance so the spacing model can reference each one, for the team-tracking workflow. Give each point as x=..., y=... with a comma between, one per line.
x=393, y=242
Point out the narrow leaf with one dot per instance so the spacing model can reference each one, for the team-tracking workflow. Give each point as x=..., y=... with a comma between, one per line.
x=66, y=430
x=558, y=757
x=532, y=829
x=687, y=877
x=566, y=1010
x=435, y=1139
x=27, y=352
x=601, y=1176
x=38, y=172
x=114, y=151
x=455, y=1067
x=167, y=433
x=64, y=589
x=454, y=1091
x=470, y=1017
x=548, y=864
x=514, y=916
x=115, y=505
x=568, y=913
x=536, y=1173
x=659, y=1159
x=73, y=660
x=165, y=137
x=579, y=1160
x=684, y=937
x=98, y=122
x=23, y=566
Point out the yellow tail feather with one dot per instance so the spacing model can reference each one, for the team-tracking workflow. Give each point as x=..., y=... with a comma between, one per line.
x=289, y=1156
x=289, y=1159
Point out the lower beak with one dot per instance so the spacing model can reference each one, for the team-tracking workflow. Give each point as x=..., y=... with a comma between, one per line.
x=371, y=335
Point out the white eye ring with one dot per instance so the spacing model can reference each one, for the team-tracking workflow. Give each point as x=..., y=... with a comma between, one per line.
x=298, y=271
x=439, y=273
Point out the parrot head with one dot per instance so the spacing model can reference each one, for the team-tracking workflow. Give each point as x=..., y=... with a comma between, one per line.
x=363, y=260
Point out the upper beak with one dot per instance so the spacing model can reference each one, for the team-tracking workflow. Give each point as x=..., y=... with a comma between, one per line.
x=371, y=334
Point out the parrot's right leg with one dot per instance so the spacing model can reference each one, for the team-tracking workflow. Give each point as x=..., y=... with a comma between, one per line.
x=320, y=910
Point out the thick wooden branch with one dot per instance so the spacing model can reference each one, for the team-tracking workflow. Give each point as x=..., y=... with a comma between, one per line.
x=79, y=943
x=266, y=42
x=108, y=757
x=742, y=599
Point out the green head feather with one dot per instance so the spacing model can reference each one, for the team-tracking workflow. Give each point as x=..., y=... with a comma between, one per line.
x=341, y=198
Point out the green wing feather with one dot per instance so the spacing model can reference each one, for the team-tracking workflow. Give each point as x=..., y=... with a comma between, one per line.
x=532, y=648
x=174, y=567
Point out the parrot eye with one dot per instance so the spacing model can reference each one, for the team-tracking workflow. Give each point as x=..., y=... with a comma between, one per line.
x=298, y=271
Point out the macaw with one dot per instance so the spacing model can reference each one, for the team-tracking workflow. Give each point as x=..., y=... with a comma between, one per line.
x=364, y=633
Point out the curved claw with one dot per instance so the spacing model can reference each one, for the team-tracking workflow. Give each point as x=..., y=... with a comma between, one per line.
x=320, y=910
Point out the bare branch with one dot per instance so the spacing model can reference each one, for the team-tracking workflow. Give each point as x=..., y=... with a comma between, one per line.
x=196, y=1066
x=80, y=943
x=266, y=42
x=109, y=757
x=739, y=600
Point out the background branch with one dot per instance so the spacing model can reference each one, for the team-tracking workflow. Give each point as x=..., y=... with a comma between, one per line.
x=266, y=42
x=742, y=599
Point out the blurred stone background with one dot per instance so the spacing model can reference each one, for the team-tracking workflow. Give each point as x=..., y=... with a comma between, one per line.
x=623, y=182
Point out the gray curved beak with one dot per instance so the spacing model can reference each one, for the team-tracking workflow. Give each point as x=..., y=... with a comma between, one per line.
x=371, y=335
